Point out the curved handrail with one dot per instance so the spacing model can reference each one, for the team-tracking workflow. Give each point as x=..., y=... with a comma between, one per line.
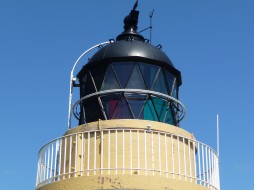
x=72, y=79
x=165, y=96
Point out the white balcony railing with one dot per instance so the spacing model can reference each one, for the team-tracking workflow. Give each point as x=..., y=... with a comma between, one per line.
x=128, y=151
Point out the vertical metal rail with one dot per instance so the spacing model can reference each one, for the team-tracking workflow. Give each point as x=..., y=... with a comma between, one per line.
x=55, y=160
x=82, y=154
x=184, y=159
x=70, y=141
x=76, y=155
x=203, y=163
x=166, y=152
x=179, y=158
x=194, y=160
x=123, y=152
x=108, y=151
x=159, y=149
x=47, y=166
x=45, y=163
x=72, y=79
x=199, y=166
x=88, y=155
x=138, y=154
x=64, y=170
x=145, y=154
x=209, y=165
x=190, y=163
x=116, y=149
x=60, y=158
x=206, y=165
x=102, y=144
x=94, y=171
x=131, y=151
x=152, y=154
x=173, y=155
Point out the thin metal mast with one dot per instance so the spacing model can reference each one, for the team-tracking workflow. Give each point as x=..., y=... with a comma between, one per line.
x=218, y=136
x=151, y=15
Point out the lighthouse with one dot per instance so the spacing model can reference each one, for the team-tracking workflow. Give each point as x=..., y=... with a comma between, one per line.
x=128, y=134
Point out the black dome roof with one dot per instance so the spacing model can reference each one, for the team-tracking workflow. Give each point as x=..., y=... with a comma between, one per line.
x=130, y=46
x=131, y=49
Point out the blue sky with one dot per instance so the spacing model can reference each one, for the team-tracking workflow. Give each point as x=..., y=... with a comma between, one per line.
x=210, y=42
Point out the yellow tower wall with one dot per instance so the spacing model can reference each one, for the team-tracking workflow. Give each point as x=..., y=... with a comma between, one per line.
x=135, y=154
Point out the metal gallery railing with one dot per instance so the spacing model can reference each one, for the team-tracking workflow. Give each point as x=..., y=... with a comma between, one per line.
x=128, y=151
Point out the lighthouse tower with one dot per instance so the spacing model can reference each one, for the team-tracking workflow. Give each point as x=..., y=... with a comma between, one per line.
x=128, y=134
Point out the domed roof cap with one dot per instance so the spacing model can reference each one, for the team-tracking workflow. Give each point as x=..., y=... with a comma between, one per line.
x=131, y=50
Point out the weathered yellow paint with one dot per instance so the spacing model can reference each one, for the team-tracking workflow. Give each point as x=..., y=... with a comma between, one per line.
x=131, y=124
x=138, y=182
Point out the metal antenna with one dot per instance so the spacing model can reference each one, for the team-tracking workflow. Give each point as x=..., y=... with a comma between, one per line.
x=150, y=27
x=151, y=16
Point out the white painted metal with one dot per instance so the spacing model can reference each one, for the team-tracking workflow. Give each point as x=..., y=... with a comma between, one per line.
x=166, y=152
x=184, y=159
x=123, y=152
x=189, y=161
x=72, y=77
x=94, y=171
x=82, y=154
x=145, y=155
x=138, y=154
x=102, y=155
x=203, y=171
x=55, y=159
x=159, y=149
x=116, y=150
x=152, y=153
x=76, y=155
x=173, y=155
x=131, y=151
x=109, y=151
x=179, y=158
x=199, y=164
x=65, y=149
x=140, y=91
x=88, y=154
x=70, y=152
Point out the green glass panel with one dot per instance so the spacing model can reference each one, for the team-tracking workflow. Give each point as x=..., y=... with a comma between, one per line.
x=161, y=107
x=149, y=111
x=136, y=81
x=149, y=72
x=160, y=85
x=123, y=71
x=110, y=81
